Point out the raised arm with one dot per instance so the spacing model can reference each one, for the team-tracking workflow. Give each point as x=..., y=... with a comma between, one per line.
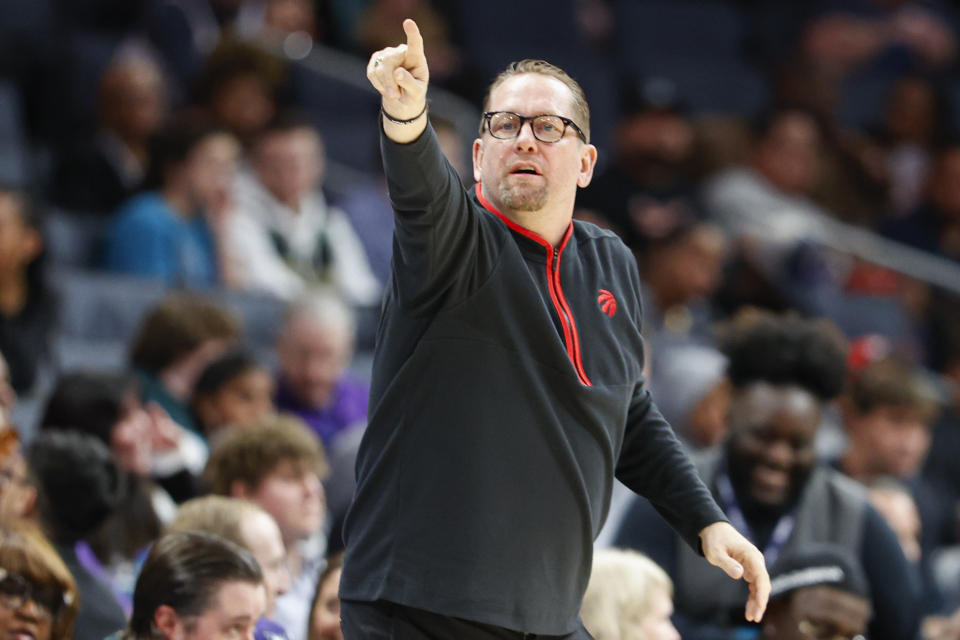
x=401, y=76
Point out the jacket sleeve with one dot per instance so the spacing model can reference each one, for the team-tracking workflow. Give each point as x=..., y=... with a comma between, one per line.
x=653, y=464
x=436, y=232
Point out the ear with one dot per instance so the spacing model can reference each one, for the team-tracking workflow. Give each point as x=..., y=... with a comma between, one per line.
x=240, y=490
x=477, y=158
x=588, y=160
x=31, y=245
x=167, y=622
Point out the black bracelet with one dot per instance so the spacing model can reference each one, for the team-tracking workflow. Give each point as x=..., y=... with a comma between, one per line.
x=396, y=121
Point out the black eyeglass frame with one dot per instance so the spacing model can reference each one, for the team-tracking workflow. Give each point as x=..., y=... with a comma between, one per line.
x=567, y=122
x=52, y=604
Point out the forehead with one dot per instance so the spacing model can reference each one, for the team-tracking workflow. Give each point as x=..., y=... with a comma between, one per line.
x=262, y=535
x=771, y=405
x=237, y=598
x=531, y=94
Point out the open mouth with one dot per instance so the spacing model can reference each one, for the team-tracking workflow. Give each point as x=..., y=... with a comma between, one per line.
x=525, y=170
x=22, y=634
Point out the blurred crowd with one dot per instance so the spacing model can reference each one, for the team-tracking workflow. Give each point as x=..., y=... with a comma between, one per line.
x=195, y=236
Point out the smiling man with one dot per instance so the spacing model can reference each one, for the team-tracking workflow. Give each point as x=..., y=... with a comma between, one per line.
x=784, y=371
x=507, y=388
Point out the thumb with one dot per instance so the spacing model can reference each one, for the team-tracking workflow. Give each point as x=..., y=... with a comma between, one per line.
x=407, y=82
x=730, y=566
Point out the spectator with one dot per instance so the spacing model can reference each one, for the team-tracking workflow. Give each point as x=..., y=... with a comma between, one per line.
x=284, y=238
x=915, y=119
x=325, y=611
x=935, y=225
x=195, y=586
x=279, y=465
x=681, y=270
x=18, y=497
x=235, y=390
x=78, y=487
x=249, y=526
x=173, y=231
x=131, y=105
x=693, y=393
x=107, y=407
x=175, y=342
x=186, y=31
x=818, y=591
x=784, y=372
x=239, y=86
x=769, y=201
x=28, y=312
x=315, y=347
x=38, y=596
x=628, y=596
x=651, y=182
x=887, y=413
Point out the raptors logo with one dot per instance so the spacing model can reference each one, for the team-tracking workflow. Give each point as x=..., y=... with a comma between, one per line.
x=608, y=304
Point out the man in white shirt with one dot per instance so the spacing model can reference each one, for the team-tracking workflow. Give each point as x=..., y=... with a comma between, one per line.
x=284, y=238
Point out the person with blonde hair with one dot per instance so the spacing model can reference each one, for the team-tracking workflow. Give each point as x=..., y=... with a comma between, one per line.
x=628, y=596
x=38, y=596
x=247, y=525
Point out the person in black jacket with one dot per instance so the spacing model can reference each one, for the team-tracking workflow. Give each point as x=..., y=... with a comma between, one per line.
x=507, y=389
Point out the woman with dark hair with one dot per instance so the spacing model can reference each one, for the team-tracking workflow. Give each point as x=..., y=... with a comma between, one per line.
x=172, y=231
x=195, y=586
x=27, y=305
x=107, y=407
x=38, y=597
x=78, y=488
x=325, y=612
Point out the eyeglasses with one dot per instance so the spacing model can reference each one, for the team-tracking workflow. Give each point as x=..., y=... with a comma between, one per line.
x=16, y=591
x=821, y=631
x=506, y=125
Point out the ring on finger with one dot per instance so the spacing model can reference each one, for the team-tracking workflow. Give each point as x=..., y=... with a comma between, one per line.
x=377, y=61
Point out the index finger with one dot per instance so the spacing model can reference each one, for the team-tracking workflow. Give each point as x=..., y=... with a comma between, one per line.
x=414, y=39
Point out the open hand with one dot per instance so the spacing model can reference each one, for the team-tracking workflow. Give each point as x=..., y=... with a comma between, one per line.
x=724, y=547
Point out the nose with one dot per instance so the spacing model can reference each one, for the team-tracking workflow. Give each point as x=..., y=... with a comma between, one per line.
x=29, y=610
x=779, y=454
x=525, y=140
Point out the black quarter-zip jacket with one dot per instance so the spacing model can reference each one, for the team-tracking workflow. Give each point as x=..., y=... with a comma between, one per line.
x=506, y=393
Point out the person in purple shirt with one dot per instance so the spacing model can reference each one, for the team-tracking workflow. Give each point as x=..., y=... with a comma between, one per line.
x=314, y=349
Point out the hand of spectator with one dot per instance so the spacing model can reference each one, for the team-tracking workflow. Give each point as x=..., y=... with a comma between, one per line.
x=724, y=547
x=164, y=432
x=401, y=76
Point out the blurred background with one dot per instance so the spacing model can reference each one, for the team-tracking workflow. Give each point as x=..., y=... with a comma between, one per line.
x=791, y=156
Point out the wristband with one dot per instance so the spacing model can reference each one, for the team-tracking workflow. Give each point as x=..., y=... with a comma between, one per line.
x=397, y=121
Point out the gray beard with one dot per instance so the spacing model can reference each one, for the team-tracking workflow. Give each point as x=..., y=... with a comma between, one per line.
x=520, y=199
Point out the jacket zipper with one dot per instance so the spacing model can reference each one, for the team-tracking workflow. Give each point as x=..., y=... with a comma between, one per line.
x=570, y=338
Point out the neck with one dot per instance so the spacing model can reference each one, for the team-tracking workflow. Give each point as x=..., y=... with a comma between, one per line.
x=13, y=293
x=549, y=225
x=854, y=464
x=178, y=200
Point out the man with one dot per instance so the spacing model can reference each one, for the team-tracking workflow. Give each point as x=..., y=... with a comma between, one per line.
x=278, y=465
x=249, y=526
x=784, y=371
x=284, y=237
x=507, y=383
x=314, y=349
x=819, y=592
x=195, y=586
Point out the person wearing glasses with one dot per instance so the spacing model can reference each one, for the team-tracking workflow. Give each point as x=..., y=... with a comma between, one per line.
x=38, y=597
x=507, y=389
x=818, y=592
